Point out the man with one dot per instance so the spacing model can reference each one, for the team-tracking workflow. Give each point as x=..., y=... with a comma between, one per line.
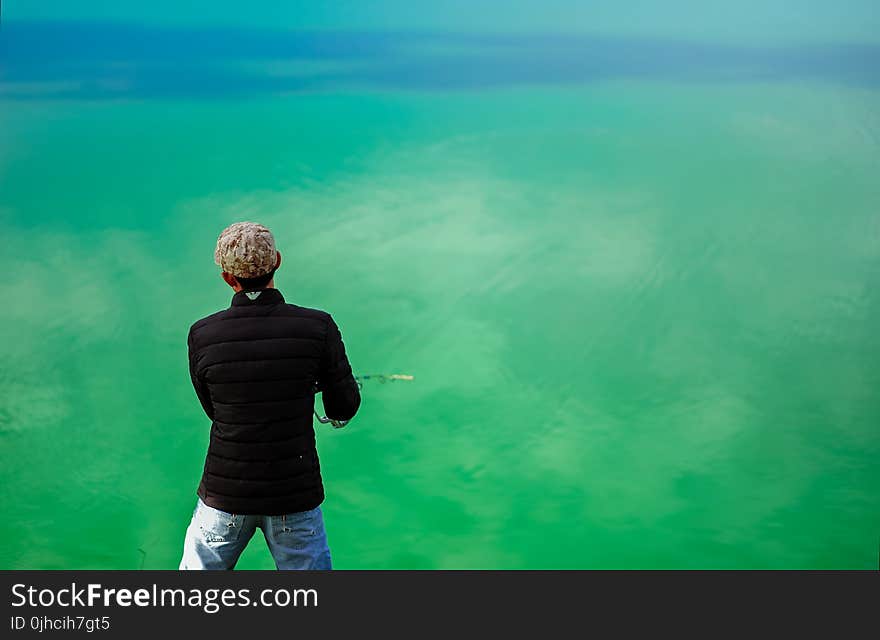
x=256, y=367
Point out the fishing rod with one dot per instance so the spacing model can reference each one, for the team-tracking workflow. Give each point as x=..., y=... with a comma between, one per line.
x=380, y=377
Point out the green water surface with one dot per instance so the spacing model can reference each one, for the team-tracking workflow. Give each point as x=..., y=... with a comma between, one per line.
x=642, y=319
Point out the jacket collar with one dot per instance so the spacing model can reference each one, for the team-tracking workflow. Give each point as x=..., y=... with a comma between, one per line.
x=263, y=296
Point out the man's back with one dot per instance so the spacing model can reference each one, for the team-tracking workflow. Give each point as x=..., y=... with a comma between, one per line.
x=255, y=367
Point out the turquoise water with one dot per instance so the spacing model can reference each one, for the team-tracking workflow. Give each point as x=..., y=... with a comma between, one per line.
x=633, y=269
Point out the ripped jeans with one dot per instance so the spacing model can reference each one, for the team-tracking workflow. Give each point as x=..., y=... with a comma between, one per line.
x=215, y=539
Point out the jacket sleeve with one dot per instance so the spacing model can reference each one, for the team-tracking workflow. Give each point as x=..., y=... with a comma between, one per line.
x=340, y=392
x=198, y=384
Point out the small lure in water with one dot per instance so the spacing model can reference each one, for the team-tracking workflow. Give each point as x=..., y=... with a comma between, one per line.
x=381, y=377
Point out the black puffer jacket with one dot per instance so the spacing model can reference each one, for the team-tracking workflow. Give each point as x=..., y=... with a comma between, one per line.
x=255, y=367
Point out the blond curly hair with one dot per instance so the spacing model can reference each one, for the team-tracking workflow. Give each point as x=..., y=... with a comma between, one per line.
x=246, y=250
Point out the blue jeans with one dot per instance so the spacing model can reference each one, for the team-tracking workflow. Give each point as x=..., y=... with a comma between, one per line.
x=215, y=539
